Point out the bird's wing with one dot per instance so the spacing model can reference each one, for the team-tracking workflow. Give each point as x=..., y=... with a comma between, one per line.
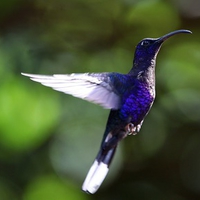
x=93, y=87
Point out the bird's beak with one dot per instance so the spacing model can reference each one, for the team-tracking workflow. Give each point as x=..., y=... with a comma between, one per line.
x=165, y=37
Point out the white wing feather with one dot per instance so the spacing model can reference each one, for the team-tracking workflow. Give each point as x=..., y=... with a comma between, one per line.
x=84, y=86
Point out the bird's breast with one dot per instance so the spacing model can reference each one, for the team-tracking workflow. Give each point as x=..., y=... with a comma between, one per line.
x=137, y=102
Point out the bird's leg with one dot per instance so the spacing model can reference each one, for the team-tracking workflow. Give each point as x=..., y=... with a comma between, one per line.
x=112, y=139
x=131, y=129
x=138, y=127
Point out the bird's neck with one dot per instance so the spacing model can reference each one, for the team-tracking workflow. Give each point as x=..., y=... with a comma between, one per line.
x=144, y=70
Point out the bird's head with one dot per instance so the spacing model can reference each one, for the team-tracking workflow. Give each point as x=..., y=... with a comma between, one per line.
x=148, y=48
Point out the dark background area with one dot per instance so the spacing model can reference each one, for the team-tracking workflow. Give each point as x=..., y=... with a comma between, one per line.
x=48, y=140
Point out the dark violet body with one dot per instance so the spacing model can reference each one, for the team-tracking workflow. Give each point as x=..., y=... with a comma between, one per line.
x=137, y=102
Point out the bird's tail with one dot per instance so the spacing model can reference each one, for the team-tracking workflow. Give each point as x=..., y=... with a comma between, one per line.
x=98, y=170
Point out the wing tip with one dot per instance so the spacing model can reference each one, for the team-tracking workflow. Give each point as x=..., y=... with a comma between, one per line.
x=31, y=75
x=25, y=74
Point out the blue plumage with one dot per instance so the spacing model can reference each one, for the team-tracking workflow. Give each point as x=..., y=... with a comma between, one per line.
x=129, y=96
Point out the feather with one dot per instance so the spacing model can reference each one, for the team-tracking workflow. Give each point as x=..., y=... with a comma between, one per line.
x=95, y=88
x=95, y=177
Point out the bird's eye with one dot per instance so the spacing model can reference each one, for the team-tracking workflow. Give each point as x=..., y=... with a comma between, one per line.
x=145, y=43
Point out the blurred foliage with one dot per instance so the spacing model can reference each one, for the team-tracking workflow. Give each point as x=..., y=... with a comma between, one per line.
x=46, y=144
x=16, y=96
x=51, y=187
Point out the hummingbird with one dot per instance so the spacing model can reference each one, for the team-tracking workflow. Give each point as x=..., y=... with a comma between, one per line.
x=128, y=96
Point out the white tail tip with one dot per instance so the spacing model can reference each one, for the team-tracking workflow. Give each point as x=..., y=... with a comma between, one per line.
x=95, y=177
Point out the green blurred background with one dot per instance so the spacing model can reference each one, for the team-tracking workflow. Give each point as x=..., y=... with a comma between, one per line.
x=48, y=140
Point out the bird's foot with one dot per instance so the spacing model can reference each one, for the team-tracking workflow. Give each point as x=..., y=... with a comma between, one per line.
x=131, y=129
